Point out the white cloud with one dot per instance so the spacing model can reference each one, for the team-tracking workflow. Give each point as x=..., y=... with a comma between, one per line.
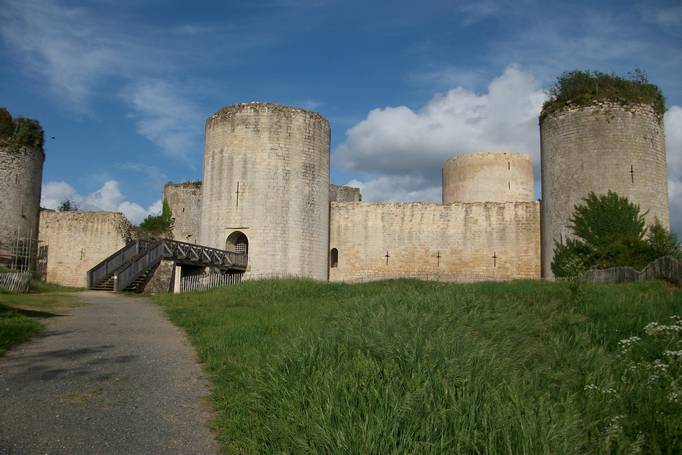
x=401, y=141
x=397, y=188
x=165, y=117
x=107, y=198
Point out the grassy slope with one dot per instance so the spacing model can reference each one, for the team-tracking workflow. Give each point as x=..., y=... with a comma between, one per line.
x=415, y=367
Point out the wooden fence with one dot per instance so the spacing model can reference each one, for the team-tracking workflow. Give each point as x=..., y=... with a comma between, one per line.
x=665, y=268
x=214, y=280
x=15, y=281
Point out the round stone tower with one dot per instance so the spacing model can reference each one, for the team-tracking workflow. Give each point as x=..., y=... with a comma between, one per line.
x=488, y=177
x=597, y=148
x=266, y=188
x=21, y=174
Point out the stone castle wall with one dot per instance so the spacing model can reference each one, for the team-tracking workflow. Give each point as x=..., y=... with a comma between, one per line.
x=266, y=175
x=339, y=193
x=488, y=177
x=21, y=174
x=184, y=200
x=462, y=242
x=600, y=148
x=77, y=241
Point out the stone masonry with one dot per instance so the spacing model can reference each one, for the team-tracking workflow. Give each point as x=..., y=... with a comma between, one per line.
x=458, y=241
x=77, y=241
x=184, y=200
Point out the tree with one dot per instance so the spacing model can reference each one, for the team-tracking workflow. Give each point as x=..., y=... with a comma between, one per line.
x=158, y=225
x=662, y=242
x=68, y=206
x=609, y=231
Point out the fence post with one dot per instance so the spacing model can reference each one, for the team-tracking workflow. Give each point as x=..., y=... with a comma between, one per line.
x=177, y=276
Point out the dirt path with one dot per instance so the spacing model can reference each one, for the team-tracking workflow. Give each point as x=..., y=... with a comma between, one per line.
x=110, y=377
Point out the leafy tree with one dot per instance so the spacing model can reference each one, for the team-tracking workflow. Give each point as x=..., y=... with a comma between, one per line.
x=609, y=231
x=68, y=206
x=158, y=225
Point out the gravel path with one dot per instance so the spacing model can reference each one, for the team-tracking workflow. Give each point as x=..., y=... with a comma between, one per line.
x=111, y=377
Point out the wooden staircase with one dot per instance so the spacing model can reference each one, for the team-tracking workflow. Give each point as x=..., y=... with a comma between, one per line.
x=132, y=266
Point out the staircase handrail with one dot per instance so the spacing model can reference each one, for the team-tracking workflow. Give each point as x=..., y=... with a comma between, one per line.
x=218, y=257
x=128, y=274
x=110, y=264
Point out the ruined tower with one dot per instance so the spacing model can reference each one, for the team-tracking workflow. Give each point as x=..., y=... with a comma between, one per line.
x=488, y=177
x=596, y=148
x=266, y=188
x=21, y=173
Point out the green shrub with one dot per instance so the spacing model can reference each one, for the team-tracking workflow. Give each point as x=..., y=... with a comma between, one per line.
x=610, y=231
x=158, y=225
x=28, y=132
x=583, y=88
x=20, y=131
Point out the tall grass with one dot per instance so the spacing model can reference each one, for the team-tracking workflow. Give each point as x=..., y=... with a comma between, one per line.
x=417, y=367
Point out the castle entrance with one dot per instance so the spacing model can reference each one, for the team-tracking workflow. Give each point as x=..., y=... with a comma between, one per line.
x=237, y=242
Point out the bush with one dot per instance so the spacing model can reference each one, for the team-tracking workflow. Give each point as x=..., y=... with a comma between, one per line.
x=20, y=131
x=583, y=88
x=158, y=225
x=610, y=231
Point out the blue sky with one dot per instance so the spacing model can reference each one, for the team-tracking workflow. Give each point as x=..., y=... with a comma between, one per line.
x=124, y=86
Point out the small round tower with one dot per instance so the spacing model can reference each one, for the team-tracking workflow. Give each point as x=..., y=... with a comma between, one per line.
x=488, y=177
x=21, y=173
x=605, y=146
x=266, y=188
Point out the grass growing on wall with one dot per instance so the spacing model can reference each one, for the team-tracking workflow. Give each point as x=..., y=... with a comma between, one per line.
x=583, y=88
x=417, y=367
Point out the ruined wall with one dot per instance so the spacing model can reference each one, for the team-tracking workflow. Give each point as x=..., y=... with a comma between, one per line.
x=600, y=148
x=266, y=175
x=77, y=241
x=488, y=177
x=184, y=200
x=339, y=193
x=21, y=174
x=466, y=242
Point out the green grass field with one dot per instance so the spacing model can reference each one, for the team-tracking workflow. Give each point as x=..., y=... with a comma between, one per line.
x=404, y=366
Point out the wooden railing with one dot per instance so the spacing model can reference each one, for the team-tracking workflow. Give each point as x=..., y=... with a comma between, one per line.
x=109, y=265
x=129, y=263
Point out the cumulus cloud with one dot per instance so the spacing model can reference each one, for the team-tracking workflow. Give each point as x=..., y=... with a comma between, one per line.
x=108, y=198
x=164, y=116
x=405, y=149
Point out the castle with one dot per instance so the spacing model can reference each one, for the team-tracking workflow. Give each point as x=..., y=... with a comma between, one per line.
x=265, y=192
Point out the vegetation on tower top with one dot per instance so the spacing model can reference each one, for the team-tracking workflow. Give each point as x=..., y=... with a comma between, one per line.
x=584, y=88
x=20, y=131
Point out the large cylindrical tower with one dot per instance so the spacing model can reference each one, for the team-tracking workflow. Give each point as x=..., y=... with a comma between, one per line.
x=488, y=177
x=597, y=148
x=21, y=174
x=266, y=187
